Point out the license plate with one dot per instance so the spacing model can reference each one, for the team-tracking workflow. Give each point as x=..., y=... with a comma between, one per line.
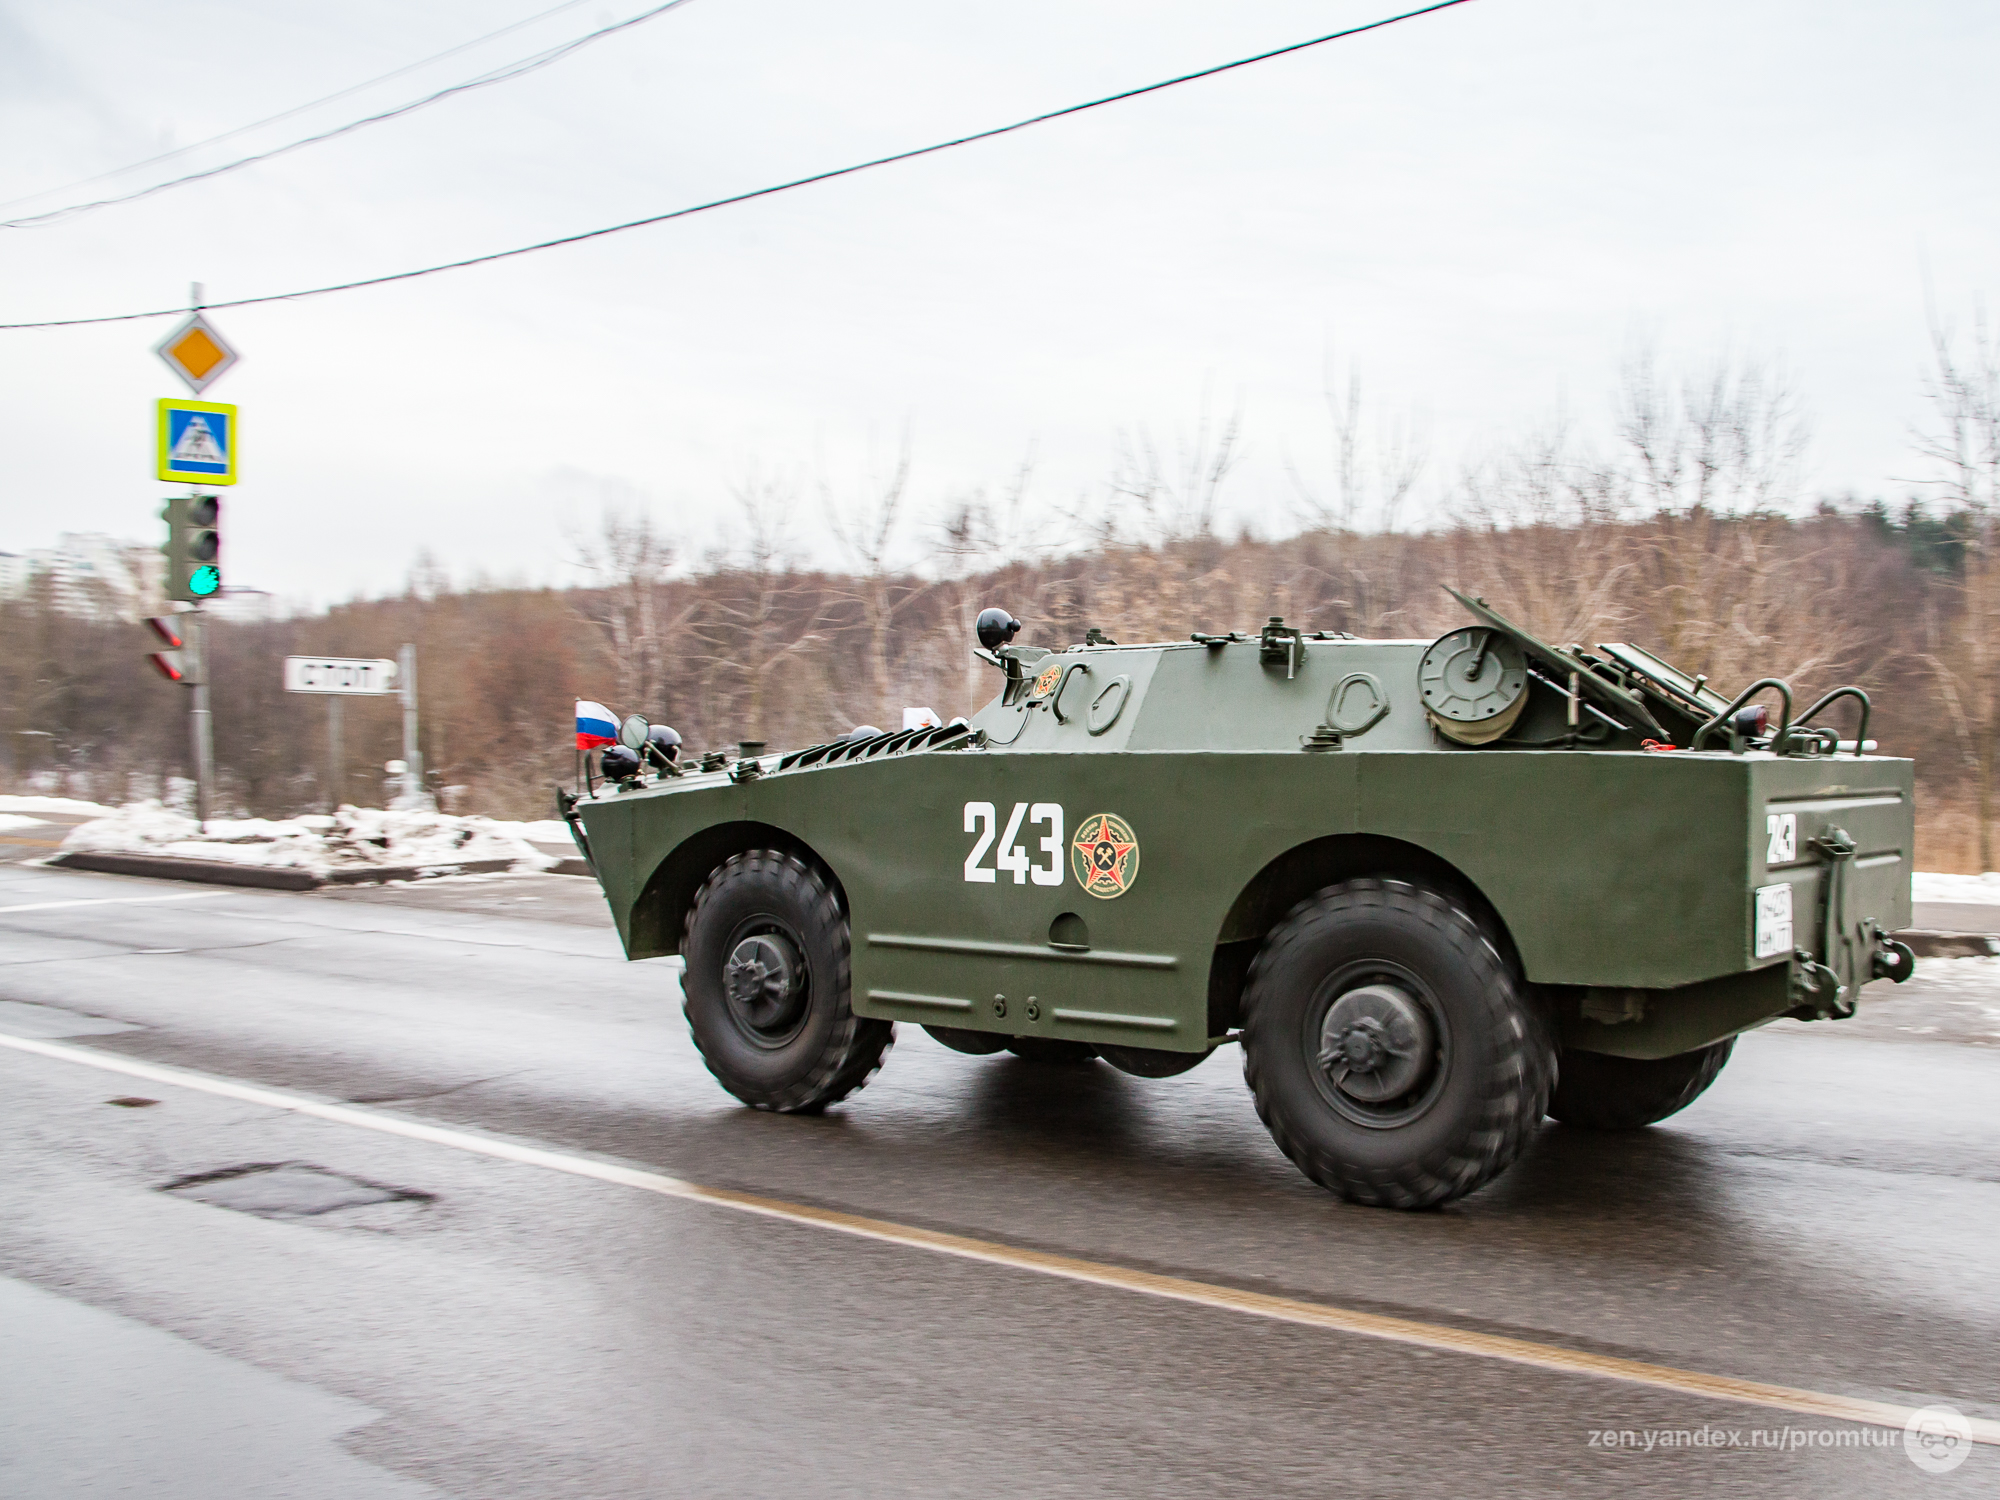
x=1774, y=920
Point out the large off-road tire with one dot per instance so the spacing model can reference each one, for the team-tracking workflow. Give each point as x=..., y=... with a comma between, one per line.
x=1598, y=1092
x=767, y=987
x=1394, y=1055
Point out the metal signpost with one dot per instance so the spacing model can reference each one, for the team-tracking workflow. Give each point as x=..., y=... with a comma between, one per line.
x=414, y=795
x=337, y=677
x=195, y=443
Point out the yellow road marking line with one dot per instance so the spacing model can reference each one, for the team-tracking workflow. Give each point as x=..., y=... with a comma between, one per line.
x=1435, y=1336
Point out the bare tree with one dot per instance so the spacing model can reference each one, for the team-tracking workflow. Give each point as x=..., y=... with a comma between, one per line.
x=627, y=561
x=1177, y=501
x=1962, y=445
x=867, y=524
x=758, y=618
x=1675, y=535
x=1730, y=441
x=1374, y=465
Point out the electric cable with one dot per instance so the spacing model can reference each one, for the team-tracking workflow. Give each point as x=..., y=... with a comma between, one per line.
x=754, y=193
x=502, y=74
x=286, y=114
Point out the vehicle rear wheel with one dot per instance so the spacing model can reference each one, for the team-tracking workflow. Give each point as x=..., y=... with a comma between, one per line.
x=1393, y=1054
x=1042, y=1049
x=971, y=1043
x=1596, y=1091
x=767, y=987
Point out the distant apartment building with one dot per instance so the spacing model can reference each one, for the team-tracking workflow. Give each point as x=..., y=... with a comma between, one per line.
x=88, y=574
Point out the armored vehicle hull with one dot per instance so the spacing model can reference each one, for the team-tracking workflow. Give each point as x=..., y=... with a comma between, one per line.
x=1319, y=846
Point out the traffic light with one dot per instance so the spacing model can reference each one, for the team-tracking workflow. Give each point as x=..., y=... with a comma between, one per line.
x=193, y=548
x=168, y=662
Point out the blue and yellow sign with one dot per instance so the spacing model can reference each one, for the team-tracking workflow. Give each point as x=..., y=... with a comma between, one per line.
x=197, y=442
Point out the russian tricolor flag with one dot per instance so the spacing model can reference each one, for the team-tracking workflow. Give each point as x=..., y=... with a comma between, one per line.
x=595, y=725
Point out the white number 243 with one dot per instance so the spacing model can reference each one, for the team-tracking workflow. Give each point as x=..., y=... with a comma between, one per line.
x=981, y=818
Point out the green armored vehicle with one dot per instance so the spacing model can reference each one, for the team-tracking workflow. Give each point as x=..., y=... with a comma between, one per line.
x=1435, y=889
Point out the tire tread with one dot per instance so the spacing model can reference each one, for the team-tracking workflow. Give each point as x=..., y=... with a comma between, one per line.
x=854, y=1051
x=1516, y=1090
x=1599, y=1092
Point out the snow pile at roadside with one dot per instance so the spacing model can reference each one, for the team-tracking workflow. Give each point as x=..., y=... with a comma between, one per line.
x=11, y=804
x=547, y=831
x=354, y=838
x=1981, y=889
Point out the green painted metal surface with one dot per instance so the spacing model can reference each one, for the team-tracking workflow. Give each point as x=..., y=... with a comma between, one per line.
x=1097, y=859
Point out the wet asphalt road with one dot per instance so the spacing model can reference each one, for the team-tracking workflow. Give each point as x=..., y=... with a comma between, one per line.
x=1827, y=1217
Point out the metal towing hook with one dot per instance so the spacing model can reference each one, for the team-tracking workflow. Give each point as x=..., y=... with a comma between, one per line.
x=1887, y=958
x=1892, y=960
x=1819, y=990
x=1816, y=980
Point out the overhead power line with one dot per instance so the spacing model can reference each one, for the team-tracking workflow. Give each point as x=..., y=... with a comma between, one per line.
x=286, y=114
x=756, y=193
x=485, y=80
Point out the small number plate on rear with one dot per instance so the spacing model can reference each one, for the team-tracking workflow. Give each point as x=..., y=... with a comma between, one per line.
x=1774, y=920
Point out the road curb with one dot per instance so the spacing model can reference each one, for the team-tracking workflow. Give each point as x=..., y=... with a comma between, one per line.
x=206, y=871
x=371, y=875
x=1951, y=944
x=278, y=878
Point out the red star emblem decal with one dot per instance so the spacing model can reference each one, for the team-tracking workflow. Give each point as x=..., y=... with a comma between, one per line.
x=1105, y=854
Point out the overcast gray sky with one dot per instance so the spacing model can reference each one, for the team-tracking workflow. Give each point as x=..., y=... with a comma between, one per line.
x=1482, y=210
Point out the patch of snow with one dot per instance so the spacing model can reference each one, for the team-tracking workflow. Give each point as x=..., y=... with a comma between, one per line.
x=12, y=804
x=547, y=831
x=1981, y=975
x=353, y=838
x=1982, y=889
x=16, y=820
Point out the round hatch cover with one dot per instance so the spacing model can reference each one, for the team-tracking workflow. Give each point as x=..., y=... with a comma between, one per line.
x=1474, y=682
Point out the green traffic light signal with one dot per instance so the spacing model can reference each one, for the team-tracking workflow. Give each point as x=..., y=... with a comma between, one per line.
x=193, y=547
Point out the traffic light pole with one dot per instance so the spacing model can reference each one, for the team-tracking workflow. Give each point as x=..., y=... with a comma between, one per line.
x=199, y=727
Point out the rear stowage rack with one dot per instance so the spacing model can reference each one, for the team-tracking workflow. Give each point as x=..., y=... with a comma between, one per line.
x=899, y=742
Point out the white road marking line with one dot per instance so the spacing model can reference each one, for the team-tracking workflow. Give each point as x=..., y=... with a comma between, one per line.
x=1551, y=1357
x=117, y=901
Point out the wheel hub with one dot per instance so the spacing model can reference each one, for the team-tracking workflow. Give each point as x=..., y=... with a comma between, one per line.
x=1375, y=1043
x=764, y=982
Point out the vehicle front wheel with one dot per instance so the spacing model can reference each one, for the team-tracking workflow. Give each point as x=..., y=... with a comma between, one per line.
x=767, y=986
x=1392, y=1052
x=1596, y=1091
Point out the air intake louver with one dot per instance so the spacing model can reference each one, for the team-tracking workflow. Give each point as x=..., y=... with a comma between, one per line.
x=901, y=742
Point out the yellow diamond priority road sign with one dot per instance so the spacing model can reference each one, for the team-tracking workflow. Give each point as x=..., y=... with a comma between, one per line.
x=197, y=353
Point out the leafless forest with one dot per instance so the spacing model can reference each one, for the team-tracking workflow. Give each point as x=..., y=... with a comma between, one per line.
x=1684, y=532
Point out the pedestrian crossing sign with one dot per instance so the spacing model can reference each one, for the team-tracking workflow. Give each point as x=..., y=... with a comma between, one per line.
x=197, y=442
